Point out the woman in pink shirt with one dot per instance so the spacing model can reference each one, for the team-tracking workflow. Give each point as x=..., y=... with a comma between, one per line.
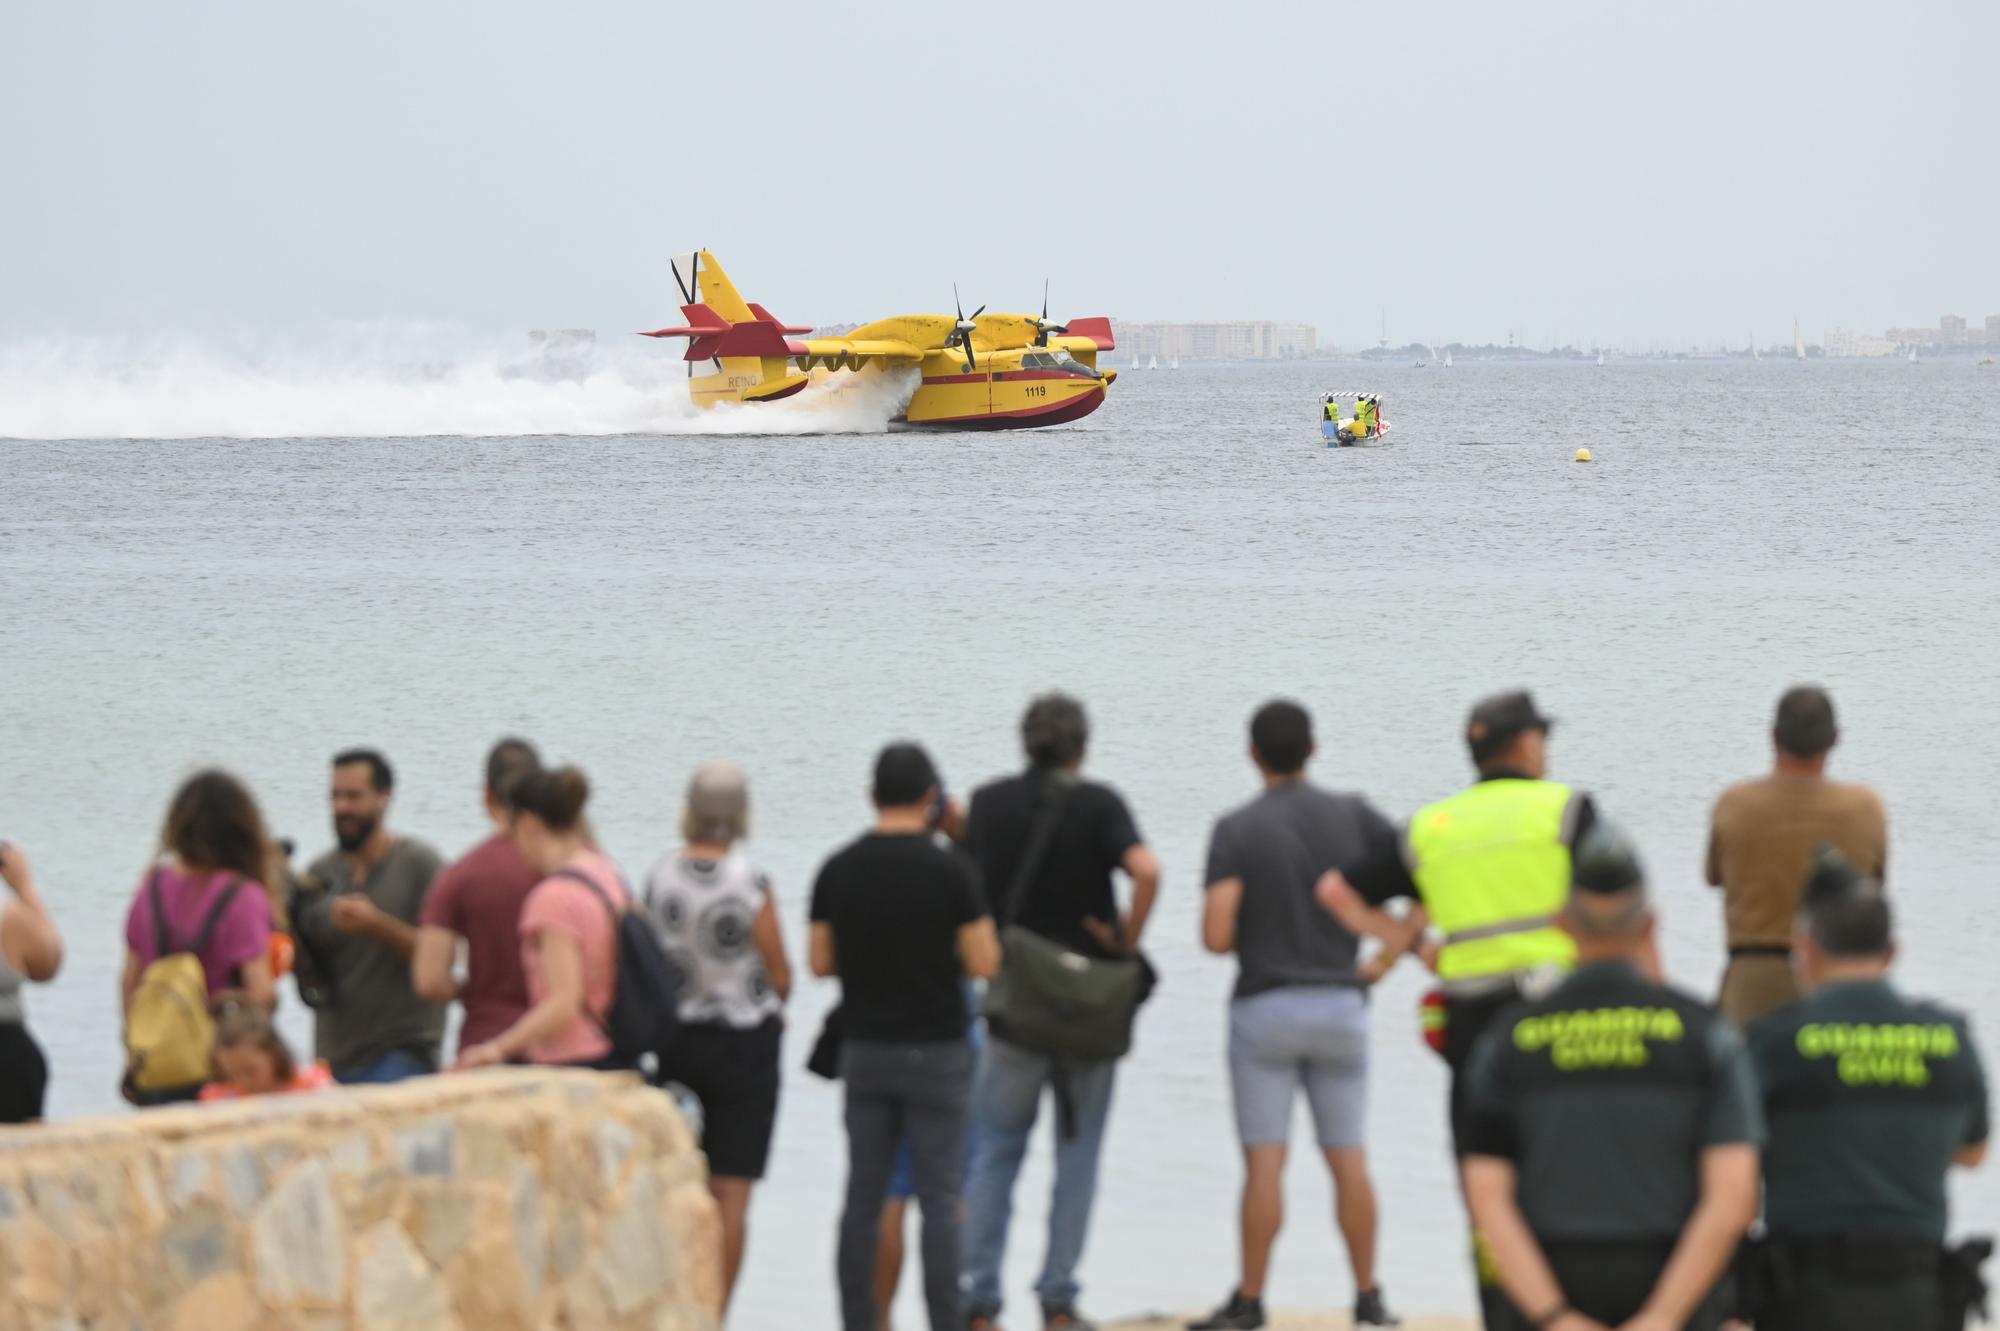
x=568, y=932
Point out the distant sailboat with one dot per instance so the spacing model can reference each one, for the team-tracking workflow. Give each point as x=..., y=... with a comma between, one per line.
x=1798, y=341
x=1600, y=358
x=1913, y=355
x=1754, y=353
x=1153, y=364
x=1447, y=360
x=1175, y=363
x=1135, y=360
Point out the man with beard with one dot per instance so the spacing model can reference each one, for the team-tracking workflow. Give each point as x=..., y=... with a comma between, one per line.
x=359, y=919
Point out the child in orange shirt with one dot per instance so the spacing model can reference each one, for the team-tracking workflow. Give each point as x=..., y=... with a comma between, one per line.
x=251, y=1058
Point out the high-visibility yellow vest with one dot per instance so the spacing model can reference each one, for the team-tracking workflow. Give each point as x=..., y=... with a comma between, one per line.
x=1493, y=867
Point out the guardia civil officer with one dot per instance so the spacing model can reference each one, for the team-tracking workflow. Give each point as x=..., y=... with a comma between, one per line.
x=1872, y=1098
x=1491, y=868
x=1612, y=1128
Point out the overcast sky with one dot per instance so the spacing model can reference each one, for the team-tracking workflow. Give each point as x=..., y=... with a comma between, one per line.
x=1631, y=173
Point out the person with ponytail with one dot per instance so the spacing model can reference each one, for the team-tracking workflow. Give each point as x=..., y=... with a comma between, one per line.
x=568, y=931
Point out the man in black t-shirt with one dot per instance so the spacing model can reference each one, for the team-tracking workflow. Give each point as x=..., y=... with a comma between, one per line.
x=901, y=920
x=1067, y=897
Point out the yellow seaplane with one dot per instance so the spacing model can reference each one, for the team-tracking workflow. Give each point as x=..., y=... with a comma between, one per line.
x=989, y=372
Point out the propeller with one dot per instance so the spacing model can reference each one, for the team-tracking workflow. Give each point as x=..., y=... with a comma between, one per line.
x=962, y=331
x=1042, y=325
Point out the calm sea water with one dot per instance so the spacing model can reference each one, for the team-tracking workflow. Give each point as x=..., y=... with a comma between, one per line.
x=638, y=604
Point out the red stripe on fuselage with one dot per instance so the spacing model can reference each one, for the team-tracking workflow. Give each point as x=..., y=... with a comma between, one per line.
x=1056, y=414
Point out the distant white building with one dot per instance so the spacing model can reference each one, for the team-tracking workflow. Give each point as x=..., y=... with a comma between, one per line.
x=1841, y=342
x=1247, y=339
x=1952, y=331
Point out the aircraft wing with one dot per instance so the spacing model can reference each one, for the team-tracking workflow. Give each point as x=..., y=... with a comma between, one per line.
x=836, y=352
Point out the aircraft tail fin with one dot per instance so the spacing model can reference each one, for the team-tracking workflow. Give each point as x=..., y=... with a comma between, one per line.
x=752, y=348
x=702, y=281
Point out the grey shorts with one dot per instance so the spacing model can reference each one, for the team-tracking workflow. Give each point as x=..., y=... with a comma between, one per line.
x=1285, y=1039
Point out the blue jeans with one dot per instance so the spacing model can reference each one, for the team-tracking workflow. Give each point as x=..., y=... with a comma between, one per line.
x=396, y=1065
x=1006, y=1096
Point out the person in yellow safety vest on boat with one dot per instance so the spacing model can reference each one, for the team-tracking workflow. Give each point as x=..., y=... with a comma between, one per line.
x=1367, y=411
x=1332, y=409
x=1490, y=868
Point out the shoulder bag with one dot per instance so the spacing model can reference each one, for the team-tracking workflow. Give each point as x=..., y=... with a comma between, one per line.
x=1048, y=997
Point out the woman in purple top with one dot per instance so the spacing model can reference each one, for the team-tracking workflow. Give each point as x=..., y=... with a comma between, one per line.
x=214, y=838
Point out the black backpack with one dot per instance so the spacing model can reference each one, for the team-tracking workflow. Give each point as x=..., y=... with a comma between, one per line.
x=646, y=993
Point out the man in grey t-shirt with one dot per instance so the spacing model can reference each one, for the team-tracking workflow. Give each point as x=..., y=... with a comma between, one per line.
x=1299, y=1017
x=361, y=927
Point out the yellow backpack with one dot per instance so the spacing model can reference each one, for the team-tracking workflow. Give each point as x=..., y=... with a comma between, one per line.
x=169, y=1034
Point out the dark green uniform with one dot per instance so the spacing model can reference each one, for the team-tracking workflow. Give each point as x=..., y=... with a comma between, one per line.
x=1869, y=1096
x=1603, y=1095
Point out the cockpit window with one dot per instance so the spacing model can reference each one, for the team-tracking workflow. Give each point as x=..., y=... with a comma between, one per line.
x=1064, y=361
x=1058, y=359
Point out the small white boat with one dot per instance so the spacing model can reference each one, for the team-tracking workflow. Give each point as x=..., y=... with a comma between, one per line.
x=1798, y=341
x=1174, y=364
x=1447, y=360
x=1153, y=364
x=1342, y=432
x=1600, y=358
x=1913, y=355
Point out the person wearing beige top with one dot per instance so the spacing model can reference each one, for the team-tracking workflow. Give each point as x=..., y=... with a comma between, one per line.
x=1762, y=845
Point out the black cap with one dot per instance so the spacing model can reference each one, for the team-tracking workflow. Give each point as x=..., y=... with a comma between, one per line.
x=1496, y=720
x=1605, y=862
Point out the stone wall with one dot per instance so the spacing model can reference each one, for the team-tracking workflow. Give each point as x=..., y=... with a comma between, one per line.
x=510, y=1200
